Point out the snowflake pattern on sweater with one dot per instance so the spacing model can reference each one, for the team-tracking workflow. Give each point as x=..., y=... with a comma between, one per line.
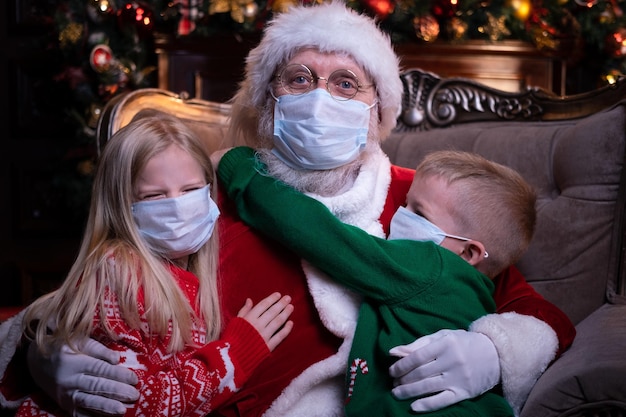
x=192, y=382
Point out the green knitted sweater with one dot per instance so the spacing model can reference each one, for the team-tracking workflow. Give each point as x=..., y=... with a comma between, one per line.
x=409, y=288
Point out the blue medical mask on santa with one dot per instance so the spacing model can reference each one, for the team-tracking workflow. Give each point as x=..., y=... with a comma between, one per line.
x=406, y=224
x=316, y=132
x=179, y=226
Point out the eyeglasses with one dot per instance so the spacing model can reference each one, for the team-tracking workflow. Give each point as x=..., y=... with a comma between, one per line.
x=298, y=79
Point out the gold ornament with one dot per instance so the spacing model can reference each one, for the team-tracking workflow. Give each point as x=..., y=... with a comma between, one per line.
x=457, y=28
x=236, y=13
x=250, y=11
x=426, y=28
x=219, y=6
x=496, y=27
x=70, y=35
x=543, y=40
x=280, y=6
x=612, y=76
x=521, y=8
x=240, y=10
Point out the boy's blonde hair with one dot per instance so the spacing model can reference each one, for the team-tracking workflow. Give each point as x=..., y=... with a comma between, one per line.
x=114, y=261
x=493, y=204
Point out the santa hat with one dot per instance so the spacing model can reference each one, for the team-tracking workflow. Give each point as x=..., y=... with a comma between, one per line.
x=328, y=27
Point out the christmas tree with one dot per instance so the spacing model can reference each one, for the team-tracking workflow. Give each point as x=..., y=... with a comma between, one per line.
x=106, y=46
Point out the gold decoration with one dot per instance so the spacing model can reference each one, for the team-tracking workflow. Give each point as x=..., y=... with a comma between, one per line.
x=543, y=40
x=70, y=35
x=236, y=13
x=219, y=6
x=496, y=27
x=280, y=6
x=426, y=28
x=240, y=10
x=612, y=76
x=521, y=8
x=250, y=11
x=457, y=28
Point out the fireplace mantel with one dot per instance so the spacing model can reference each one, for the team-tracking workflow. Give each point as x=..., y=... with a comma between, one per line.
x=211, y=68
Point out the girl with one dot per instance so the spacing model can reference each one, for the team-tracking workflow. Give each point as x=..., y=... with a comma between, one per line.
x=144, y=282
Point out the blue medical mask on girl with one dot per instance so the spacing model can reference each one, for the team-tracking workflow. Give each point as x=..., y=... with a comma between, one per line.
x=406, y=224
x=316, y=132
x=179, y=226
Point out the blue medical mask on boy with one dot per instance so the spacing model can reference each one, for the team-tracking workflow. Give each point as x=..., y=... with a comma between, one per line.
x=406, y=224
x=179, y=226
x=314, y=131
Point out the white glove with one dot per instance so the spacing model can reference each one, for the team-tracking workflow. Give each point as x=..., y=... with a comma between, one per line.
x=444, y=368
x=83, y=383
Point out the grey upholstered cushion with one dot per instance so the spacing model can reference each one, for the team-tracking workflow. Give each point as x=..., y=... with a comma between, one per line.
x=570, y=387
x=576, y=167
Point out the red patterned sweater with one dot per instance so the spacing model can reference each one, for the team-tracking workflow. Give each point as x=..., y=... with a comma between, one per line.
x=192, y=382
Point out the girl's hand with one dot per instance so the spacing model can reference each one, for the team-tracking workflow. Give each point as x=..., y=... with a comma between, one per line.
x=269, y=317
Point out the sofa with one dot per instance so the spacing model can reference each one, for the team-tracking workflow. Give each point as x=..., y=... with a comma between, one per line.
x=571, y=149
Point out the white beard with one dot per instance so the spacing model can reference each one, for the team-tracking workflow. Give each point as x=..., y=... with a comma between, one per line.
x=323, y=182
x=327, y=182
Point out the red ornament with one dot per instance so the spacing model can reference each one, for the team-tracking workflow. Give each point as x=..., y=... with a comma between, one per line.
x=616, y=43
x=444, y=8
x=101, y=58
x=136, y=15
x=381, y=8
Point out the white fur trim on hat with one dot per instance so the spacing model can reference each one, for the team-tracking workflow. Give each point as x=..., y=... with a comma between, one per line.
x=328, y=27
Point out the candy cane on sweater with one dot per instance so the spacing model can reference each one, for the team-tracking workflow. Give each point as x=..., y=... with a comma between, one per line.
x=356, y=365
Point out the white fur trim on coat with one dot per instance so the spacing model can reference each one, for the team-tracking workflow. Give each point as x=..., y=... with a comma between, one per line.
x=525, y=345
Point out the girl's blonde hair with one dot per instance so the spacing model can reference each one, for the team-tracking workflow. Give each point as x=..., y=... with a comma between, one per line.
x=493, y=204
x=114, y=261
